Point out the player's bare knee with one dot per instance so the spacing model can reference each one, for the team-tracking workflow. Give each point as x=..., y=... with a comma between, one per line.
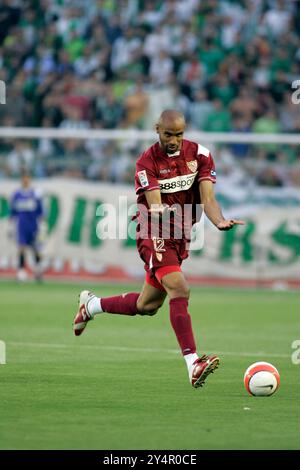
x=176, y=287
x=177, y=291
x=181, y=292
x=148, y=312
x=148, y=309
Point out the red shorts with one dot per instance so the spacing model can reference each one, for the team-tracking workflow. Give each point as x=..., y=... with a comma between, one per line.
x=161, y=256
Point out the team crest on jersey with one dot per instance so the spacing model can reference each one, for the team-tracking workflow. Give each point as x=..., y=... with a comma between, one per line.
x=159, y=256
x=193, y=165
x=143, y=178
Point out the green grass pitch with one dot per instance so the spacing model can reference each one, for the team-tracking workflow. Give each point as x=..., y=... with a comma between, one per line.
x=123, y=383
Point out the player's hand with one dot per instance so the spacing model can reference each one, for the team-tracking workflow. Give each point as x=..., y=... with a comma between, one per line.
x=228, y=224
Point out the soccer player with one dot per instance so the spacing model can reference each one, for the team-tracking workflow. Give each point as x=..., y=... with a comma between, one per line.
x=26, y=212
x=172, y=172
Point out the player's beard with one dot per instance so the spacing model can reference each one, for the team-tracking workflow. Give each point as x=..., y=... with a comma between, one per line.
x=170, y=150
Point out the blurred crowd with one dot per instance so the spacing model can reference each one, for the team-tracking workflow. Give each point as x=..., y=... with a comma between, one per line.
x=228, y=65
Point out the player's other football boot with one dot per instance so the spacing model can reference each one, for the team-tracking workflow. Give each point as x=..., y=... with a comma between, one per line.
x=202, y=367
x=82, y=316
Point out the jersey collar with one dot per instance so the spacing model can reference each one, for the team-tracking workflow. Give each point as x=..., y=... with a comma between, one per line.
x=168, y=155
x=175, y=154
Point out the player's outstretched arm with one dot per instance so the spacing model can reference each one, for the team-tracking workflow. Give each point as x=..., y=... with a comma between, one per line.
x=212, y=208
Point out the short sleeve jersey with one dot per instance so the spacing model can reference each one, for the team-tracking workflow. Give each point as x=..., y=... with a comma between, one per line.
x=177, y=175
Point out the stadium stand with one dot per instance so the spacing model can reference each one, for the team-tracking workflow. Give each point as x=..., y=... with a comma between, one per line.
x=106, y=64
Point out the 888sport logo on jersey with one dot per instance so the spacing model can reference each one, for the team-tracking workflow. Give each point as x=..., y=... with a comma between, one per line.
x=179, y=183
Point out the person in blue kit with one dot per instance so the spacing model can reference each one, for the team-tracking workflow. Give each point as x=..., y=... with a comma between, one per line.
x=27, y=212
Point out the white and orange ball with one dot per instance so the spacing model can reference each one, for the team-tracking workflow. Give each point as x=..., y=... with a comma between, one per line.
x=261, y=379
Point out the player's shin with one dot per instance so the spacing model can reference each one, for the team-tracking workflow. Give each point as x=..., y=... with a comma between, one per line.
x=182, y=325
x=125, y=304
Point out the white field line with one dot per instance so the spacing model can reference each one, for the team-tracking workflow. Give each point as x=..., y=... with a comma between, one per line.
x=142, y=350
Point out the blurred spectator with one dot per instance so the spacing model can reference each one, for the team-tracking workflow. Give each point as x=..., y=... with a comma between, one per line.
x=192, y=75
x=269, y=177
x=199, y=110
x=211, y=55
x=218, y=120
x=124, y=48
x=135, y=105
x=267, y=124
x=289, y=115
x=20, y=158
x=241, y=150
x=150, y=16
x=9, y=16
x=278, y=18
x=73, y=119
x=76, y=159
x=74, y=45
x=155, y=42
x=108, y=109
x=221, y=88
x=87, y=63
x=244, y=105
x=228, y=65
x=161, y=69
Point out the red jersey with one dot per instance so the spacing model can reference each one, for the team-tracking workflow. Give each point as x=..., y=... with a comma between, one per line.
x=176, y=175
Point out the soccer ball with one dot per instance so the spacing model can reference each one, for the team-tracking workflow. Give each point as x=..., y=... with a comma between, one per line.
x=261, y=379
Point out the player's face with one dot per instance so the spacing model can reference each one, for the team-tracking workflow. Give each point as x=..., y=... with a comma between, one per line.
x=25, y=181
x=171, y=135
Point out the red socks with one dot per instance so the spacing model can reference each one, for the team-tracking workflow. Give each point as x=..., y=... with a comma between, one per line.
x=123, y=304
x=180, y=319
x=182, y=325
